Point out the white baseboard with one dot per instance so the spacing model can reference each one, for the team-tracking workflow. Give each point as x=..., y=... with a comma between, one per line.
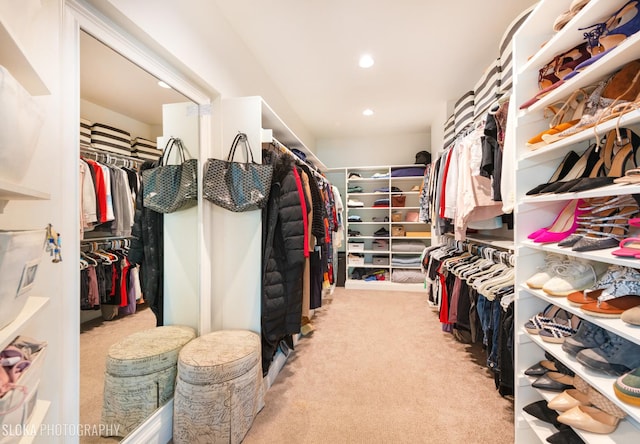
x=157, y=429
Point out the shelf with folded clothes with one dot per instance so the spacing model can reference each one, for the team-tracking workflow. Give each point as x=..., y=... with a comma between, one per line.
x=602, y=382
x=570, y=35
x=614, y=325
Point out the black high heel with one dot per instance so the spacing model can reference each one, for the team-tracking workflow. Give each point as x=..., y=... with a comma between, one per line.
x=620, y=155
x=590, y=161
x=567, y=163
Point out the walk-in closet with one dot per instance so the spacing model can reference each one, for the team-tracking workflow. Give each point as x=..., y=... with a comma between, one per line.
x=319, y=222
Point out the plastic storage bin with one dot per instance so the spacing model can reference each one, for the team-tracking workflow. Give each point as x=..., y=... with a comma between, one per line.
x=20, y=404
x=20, y=254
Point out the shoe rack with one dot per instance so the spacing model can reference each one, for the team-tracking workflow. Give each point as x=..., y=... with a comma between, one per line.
x=535, y=44
x=360, y=248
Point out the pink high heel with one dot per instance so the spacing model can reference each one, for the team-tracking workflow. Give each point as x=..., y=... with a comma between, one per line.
x=564, y=225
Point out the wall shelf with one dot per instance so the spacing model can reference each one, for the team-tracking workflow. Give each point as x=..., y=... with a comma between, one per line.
x=17, y=63
x=33, y=305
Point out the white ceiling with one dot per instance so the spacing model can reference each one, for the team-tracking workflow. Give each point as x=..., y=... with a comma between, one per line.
x=427, y=53
x=109, y=80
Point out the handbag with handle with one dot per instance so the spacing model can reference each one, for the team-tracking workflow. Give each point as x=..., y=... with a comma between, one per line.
x=169, y=188
x=237, y=186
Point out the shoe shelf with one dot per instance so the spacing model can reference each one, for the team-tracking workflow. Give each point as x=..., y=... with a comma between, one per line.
x=381, y=253
x=626, y=120
x=609, y=190
x=570, y=35
x=536, y=40
x=614, y=325
x=369, y=179
x=33, y=305
x=540, y=428
x=601, y=382
x=597, y=255
x=625, y=52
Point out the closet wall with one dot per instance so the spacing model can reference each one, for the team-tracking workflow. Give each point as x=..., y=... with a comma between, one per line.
x=35, y=28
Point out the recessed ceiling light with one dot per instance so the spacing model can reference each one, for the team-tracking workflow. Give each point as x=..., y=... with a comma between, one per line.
x=163, y=85
x=367, y=112
x=366, y=61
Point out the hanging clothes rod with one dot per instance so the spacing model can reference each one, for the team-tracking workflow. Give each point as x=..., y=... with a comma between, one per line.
x=298, y=160
x=105, y=239
x=86, y=149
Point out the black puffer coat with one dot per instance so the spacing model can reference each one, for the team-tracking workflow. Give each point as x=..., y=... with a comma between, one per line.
x=146, y=249
x=282, y=257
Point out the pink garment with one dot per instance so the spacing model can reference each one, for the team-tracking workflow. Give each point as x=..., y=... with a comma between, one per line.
x=475, y=195
x=94, y=295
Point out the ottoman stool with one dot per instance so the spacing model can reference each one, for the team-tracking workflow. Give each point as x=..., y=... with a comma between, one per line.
x=219, y=389
x=140, y=375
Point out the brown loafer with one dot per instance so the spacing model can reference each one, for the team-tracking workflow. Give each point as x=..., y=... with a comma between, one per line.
x=612, y=308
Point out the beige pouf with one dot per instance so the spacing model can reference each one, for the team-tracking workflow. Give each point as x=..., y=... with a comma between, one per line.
x=219, y=389
x=140, y=375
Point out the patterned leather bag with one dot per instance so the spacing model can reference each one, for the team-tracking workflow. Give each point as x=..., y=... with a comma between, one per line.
x=237, y=186
x=169, y=188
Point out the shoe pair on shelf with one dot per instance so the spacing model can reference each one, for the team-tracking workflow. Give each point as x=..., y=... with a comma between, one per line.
x=601, y=38
x=616, y=293
x=561, y=275
x=587, y=409
x=590, y=224
x=599, y=165
x=602, y=351
x=553, y=324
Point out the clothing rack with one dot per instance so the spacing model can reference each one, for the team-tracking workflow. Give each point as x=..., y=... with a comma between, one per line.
x=490, y=252
x=111, y=158
x=108, y=243
x=298, y=160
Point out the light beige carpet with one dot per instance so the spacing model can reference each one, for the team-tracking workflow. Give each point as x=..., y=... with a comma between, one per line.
x=379, y=369
x=95, y=339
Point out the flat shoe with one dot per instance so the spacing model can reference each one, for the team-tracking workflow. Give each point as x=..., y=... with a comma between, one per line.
x=611, y=308
x=553, y=381
x=631, y=316
x=565, y=436
x=589, y=419
x=541, y=368
x=568, y=399
x=579, y=298
x=540, y=410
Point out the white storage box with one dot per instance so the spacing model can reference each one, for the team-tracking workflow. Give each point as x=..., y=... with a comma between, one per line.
x=355, y=259
x=20, y=403
x=356, y=246
x=20, y=122
x=20, y=254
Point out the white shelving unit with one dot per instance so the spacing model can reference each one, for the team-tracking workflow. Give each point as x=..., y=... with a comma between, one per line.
x=18, y=63
x=535, y=44
x=371, y=186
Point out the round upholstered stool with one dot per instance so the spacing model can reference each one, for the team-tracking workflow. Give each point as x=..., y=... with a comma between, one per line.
x=219, y=389
x=140, y=375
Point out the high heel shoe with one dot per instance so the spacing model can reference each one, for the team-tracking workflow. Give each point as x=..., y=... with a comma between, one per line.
x=589, y=164
x=609, y=230
x=572, y=110
x=607, y=100
x=619, y=156
x=604, y=37
x=564, y=224
x=570, y=159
